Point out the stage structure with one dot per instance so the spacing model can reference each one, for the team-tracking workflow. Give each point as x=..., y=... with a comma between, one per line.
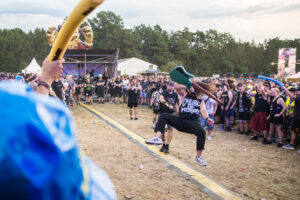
x=81, y=59
x=80, y=62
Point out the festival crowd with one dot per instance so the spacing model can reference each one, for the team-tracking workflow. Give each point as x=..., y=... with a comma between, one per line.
x=260, y=108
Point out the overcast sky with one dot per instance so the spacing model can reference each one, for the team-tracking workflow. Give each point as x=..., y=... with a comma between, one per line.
x=244, y=19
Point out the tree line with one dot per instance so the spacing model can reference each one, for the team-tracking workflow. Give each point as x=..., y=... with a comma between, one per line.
x=202, y=52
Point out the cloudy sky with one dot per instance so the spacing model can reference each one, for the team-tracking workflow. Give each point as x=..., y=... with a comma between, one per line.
x=244, y=19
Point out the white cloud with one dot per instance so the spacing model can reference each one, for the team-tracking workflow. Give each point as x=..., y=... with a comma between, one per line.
x=244, y=19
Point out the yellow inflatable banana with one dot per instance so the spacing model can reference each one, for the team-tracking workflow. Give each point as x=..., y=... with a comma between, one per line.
x=79, y=13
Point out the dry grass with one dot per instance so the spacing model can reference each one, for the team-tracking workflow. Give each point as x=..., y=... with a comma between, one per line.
x=271, y=172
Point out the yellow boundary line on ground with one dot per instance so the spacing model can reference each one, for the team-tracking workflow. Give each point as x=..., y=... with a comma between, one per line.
x=202, y=179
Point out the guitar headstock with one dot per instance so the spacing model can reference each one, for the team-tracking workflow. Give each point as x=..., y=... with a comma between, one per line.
x=181, y=76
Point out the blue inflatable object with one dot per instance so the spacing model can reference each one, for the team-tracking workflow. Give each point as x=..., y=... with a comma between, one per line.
x=39, y=155
x=270, y=79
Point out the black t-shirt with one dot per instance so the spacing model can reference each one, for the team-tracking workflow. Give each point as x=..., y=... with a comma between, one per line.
x=225, y=98
x=57, y=87
x=118, y=82
x=190, y=108
x=100, y=81
x=297, y=108
x=260, y=103
x=144, y=85
x=170, y=99
x=110, y=85
x=133, y=94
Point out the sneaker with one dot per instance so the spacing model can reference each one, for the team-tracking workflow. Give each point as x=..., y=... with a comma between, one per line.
x=265, y=141
x=254, y=138
x=279, y=144
x=221, y=128
x=131, y=118
x=162, y=149
x=166, y=150
x=209, y=137
x=288, y=146
x=298, y=151
x=154, y=125
x=269, y=142
x=200, y=160
x=135, y=118
x=228, y=129
x=155, y=140
x=240, y=132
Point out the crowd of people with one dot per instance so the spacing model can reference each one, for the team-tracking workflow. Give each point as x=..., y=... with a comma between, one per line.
x=259, y=108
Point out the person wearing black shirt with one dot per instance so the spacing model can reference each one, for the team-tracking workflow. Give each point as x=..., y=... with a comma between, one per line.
x=190, y=108
x=100, y=89
x=88, y=90
x=259, y=120
x=77, y=89
x=144, y=92
x=243, y=103
x=169, y=104
x=118, y=89
x=226, y=98
x=277, y=109
x=110, y=89
x=57, y=88
x=133, y=97
x=296, y=123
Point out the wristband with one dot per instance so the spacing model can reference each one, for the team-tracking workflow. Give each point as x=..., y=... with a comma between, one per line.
x=44, y=84
x=206, y=118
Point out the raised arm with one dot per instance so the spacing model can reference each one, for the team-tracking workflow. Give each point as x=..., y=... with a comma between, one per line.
x=51, y=71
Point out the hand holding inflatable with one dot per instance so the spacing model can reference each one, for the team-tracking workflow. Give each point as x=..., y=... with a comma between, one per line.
x=79, y=13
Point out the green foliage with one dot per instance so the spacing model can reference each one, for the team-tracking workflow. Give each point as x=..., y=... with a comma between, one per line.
x=202, y=52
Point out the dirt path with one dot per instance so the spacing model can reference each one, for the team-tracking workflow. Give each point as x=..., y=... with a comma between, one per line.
x=269, y=172
x=122, y=160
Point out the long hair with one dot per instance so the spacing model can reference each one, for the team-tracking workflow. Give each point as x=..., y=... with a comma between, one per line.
x=211, y=87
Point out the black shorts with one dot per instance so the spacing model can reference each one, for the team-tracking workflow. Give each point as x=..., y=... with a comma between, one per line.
x=88, y=93
x=118, y=93
x=156, y=109
x=100, y=92
x=132, y=104
x=244, y=116
x=276, y=120
x=77, y=91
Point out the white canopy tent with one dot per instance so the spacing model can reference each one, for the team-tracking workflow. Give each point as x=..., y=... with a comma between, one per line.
x=33, y=67
x=295, y=75
x=133, y=66
x=294, y=78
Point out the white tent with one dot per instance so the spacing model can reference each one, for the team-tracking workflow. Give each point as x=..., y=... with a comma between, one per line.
x=132, y=66
x=33, y=67
x=294, y=78
x=295, y=75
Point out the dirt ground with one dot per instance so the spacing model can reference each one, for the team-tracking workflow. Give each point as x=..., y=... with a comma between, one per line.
x=247, y=168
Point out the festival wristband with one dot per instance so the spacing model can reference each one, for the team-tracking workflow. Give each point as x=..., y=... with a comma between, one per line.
x=44, y=84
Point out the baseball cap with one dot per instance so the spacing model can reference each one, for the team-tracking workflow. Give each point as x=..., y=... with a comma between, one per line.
x=39, y=155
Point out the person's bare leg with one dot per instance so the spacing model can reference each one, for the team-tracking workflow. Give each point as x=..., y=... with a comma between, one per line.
x=271, y=131
x=135, y=112
x=278, y=129
x=130, y=113
x=241, y=126
x=246, y=127
x=199, y=153
x=169, y=136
